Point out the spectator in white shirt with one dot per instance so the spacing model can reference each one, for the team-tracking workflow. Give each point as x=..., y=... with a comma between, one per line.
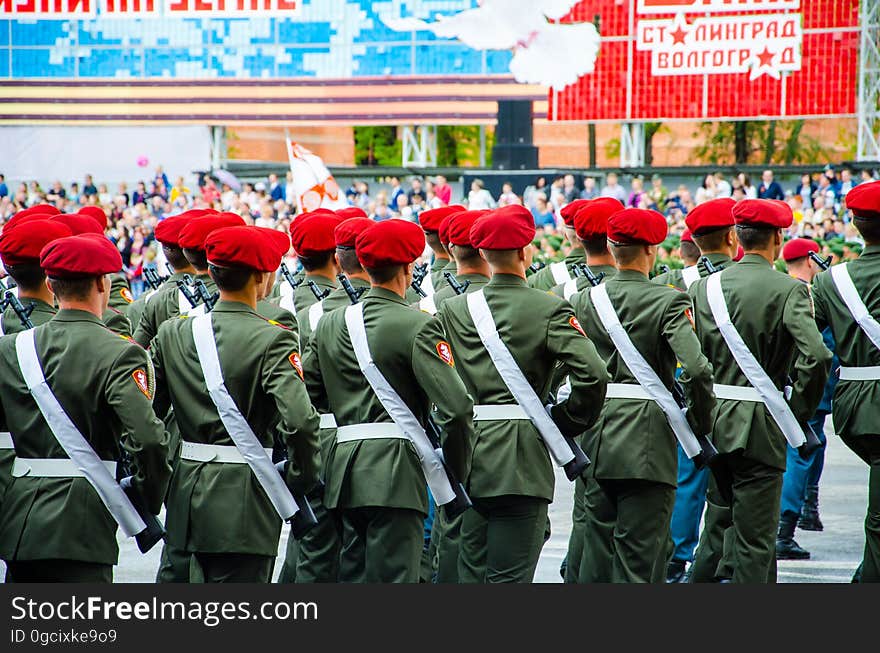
x=479, y=197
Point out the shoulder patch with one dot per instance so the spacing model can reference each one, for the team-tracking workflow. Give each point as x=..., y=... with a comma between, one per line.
x=296, y=361
x=444, y=351
x=573, y=321
x=142, y=382
x=126, y=295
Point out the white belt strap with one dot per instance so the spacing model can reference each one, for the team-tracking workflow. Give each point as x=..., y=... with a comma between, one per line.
x=213, y=453
x=736, y=393
x=427, y=304
x=6, y=440
x=428, y=286
x=372, y=431
x=53, y=468
x=627, y=391
x=432, y=464
x=236, y=425
x=569, y=289
x=750, y=367
x=690, y=275
x=850, y=295
x=149, y=296
x=196, y=311
x=515, y=380
x=316, y=312
x=643, y=372
x=559, y=270
x=2, y=333
x=287, y=294
x=498, y=412
x=183, y=305
x=860, y=373
x=72, y=441
x=328, y=421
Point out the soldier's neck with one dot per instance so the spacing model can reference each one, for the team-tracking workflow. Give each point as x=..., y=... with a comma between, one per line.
x=362, y=275
x=516, y=270
x=441, y=256
x=42, y=294
x=601, y=259
x=689, y=263
x=247, y=295
x=397, y=285
x=95, y=305
x=475, y=269
x=329, y=271
x=642, y=266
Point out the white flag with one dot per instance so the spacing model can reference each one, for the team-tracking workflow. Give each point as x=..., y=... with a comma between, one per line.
x=313, y=184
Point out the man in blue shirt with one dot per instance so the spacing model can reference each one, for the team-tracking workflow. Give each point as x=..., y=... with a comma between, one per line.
x=4, y=191
x=769, y=189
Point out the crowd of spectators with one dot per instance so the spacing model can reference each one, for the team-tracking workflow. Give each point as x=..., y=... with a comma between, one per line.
x=818, y=202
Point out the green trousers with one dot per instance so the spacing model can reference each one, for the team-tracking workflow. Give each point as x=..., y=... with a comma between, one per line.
x=501, y=539
x=315, y=557
x=867, y=447
x=626, y=530
x=381, y=545
x=446, y=540
x=576, y=539
x=739, y=541
x=231, y=568
x=57, y=571
x=173, y=565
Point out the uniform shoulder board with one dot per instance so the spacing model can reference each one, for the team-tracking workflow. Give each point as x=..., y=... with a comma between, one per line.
x=275, y=322
x=182, y=317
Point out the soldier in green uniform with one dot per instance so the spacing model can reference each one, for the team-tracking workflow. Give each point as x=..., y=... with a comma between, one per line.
x=631, y=485
x=265, y=305
x=375, y=482
x=315, y=558
x=54, y=524
x=120, y=289
x=590, y=224
x=314, y=243
x=756, y=327
x=511, y=480
x=226, y=501
x=690, y=256
x=560, y=272
x=430, y=222
x=847, y=300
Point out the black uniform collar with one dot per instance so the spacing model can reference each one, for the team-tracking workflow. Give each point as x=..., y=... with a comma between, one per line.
x=506, y=280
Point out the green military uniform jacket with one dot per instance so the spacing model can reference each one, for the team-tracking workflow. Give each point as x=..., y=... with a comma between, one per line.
x=221, y=507
x=303, y=297
x=675, y=279
x=163, y=306
x=582, y=283
x=855, y=403
x=116, y=321
x=105, y=384
x=633, y=439
x=477, y=281
x=540, y=330
x=120, y=292
x=136, y=308
x=438, y=267
x=406, y=347
x=543, y=278
x=275, y=293
x=41, y=314
x=334, y=300
x=773, y=314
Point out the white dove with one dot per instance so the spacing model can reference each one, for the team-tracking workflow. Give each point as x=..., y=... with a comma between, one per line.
x=546, y=53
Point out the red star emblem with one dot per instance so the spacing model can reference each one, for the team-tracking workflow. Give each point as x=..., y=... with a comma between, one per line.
x=678, y=35
x=765, y=58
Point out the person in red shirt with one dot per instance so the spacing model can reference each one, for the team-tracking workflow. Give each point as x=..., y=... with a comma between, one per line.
x=442, y=190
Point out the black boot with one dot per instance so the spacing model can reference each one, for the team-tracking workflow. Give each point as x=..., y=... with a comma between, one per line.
x=786, y=547
x=675, y=571
x=809, y=520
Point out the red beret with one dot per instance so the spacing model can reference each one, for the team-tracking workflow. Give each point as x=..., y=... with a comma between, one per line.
x=242, y=247
x=351, y=212
x=569, y=210
x=78, y=223
x=637, y=226
x=710, y=216
x=460, y=226
x=313, y=233
x=195, y=232
x=86, y=255
x=443, y=231
x=168, y=230
x=20, y=218
x=591, y=218
x=510, y=227
x=49, y=209
x=430, y=220
x=347, y=231
x=390, y=242
x=24, y=243
x=798, y=248
x=686, y=236
x=97, y=214
x=763, y=213
x=864, y=200
x=278, y=240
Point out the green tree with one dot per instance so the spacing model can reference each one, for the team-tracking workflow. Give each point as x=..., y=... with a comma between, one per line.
x=377, y=146
x=758, y=141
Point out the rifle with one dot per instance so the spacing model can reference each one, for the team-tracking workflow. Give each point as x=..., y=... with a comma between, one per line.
x=354, y=294
x=319, y=294
x=419, y=274
x=710, y=267
x=24, y=314
x=152, y=277
x=303, y=519
x=664, y=269
x=288, y=277
x=537, y=265
x=462, y=501
x=155, y=531
x=823, y=263
x=594, y=279
x=185, y=286
x=459, y=288
x=207, y=298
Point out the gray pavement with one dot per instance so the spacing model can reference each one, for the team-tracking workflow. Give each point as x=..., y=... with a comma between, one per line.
x=835, y=552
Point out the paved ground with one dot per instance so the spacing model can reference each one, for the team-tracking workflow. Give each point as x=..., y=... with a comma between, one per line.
x=835, y=552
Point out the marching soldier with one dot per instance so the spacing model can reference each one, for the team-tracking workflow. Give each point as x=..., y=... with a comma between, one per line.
x=226, y=501
x=378, y=364
x=846, y=299
x=120, y=292
x=641, y=330
x=315, y=245
x=755, y=326
x=265, y=306
x=62, y=507
x=315, y=558
x=711, y=227
x=560, y=272
x=529, y=332
x=430, y=222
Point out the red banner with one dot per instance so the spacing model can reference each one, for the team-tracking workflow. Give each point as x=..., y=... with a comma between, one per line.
x=710, y=59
